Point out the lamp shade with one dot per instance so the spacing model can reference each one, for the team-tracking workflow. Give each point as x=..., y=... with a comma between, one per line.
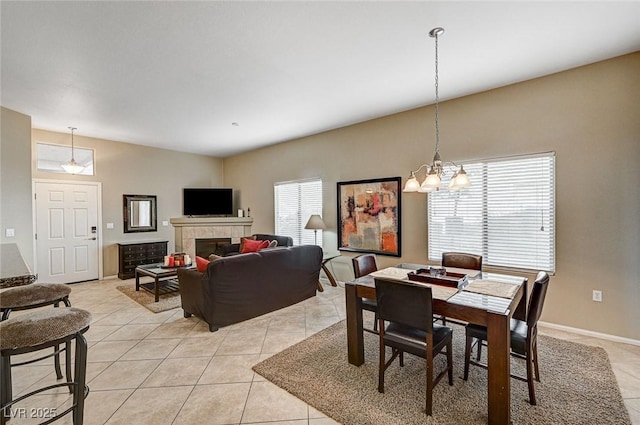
x=315, y=223
x=72, y=167
x=412, y=185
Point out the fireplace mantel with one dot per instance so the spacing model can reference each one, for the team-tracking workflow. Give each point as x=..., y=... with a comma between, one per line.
x=188, y=229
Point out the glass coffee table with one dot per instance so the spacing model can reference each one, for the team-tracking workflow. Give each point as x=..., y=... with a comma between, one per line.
x=164, y=279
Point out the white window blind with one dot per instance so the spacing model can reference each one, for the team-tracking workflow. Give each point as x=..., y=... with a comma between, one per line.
x=294, y=203
x=507, y=215
x=51, y=158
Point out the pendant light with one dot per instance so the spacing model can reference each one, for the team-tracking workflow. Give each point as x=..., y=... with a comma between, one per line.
x=72, y=167
x=437, y=168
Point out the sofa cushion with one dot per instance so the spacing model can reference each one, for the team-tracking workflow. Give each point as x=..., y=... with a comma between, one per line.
x=249, y=245
x=201, y=264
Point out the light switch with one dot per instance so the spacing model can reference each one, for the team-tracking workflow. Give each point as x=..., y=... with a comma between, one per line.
x=9, y=233
x=109, y=225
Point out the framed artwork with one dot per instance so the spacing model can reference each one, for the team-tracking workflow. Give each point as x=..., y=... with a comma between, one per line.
x=369, y=216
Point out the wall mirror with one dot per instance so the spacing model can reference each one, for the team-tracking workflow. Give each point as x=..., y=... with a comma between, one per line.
x=140, y=213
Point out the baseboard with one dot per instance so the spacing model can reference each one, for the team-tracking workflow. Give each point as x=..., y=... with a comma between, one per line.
x=115, y=276
x=579, y=331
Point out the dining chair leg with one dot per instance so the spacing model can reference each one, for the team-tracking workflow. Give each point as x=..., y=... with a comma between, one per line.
x=529, y=359
x=450, y=361
x=381, y=361
x=401, y=358
x=479, y=355
x=535, y=360
x=429, y=402
x=467, y=356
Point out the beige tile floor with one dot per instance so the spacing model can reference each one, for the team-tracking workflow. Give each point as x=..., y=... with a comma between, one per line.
x=146, y=368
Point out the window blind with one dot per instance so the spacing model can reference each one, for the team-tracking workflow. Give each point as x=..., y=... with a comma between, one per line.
x=294, y=203
x=507, y=215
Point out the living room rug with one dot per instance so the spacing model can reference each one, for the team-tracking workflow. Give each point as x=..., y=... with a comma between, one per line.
x=577, y=384
x=146, y=299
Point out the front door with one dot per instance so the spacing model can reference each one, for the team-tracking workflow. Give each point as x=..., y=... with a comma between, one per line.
x=66, y=232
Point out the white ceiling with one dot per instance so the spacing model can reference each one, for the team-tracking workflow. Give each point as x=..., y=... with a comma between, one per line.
x=177, y=74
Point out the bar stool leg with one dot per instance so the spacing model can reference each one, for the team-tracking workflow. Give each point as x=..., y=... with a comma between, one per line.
x=80, y=379
x=6, y=394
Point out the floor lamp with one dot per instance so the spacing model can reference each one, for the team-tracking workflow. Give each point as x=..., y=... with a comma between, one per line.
x=315, y=222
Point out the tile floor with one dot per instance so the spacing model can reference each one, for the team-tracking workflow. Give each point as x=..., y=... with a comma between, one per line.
x=146, y=368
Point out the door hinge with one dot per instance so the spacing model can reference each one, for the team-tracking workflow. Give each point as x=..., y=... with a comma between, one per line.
x=36, y=236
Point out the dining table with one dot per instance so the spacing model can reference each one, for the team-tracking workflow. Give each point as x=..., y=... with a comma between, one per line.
x=485, y=298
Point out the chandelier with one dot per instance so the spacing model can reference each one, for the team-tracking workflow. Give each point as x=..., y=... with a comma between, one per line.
x=437, y=168
x=72, y=167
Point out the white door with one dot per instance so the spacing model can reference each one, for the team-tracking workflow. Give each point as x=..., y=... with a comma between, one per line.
x=66, y=232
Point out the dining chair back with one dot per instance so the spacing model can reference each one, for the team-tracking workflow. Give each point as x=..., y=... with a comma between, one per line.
x=462, y=260
x=363, y=265
x=524, y=337
x=407, y=309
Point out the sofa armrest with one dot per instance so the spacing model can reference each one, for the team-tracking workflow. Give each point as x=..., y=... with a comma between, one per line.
x=192, y=285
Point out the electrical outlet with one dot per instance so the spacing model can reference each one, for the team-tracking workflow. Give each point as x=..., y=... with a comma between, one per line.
x=597, y=296
x=9, y=233
x=165, y=223
x=109, y=225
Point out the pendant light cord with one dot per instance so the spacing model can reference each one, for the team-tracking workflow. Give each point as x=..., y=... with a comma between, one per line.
x=72, y=128
x=437, y=98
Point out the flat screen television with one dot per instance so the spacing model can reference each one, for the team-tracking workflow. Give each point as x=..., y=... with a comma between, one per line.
x=207, y=201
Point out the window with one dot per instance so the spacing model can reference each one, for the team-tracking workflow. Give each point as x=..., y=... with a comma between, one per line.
x=50, y=158
x=294, y=203
x=507, y=215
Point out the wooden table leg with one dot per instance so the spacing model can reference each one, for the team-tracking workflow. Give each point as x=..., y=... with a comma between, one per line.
x=332, y=280
x=355, y=337
x=320, y=288
x=499, y=370
x=137, y=280
x=156, y=288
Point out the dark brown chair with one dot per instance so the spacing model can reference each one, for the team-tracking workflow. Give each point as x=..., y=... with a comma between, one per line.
x=524, y=337
x=362, y=266
x=408, y=310
x=460, y=260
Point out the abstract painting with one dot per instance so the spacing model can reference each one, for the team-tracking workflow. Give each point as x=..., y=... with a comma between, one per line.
x=369, y=216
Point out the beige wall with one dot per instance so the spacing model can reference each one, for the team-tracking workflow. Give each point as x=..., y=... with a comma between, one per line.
x=589, y=116
x=124, y=168
x=15, y=182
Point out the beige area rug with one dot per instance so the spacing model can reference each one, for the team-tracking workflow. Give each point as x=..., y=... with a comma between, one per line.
x=578, y=385
x=146, y=299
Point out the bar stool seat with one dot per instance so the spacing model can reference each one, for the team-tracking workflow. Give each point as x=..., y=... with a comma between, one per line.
x=33, y=296
x=39, y=330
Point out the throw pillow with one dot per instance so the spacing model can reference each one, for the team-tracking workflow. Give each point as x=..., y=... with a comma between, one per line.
x=214, y=257
x=273, y=244
x=250, y=238
x=253, y=246
x=201, y=264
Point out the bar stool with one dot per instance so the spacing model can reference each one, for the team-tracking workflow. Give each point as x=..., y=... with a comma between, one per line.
x=36, y=331
x=33, y=296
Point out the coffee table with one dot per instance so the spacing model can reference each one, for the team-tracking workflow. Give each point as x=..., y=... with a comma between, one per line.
x=164, y=281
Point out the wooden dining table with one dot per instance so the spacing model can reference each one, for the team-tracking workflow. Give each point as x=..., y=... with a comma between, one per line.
x=478, y=307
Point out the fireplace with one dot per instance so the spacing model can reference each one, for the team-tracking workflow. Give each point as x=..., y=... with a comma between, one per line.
x=188, y=229
x=208, y=246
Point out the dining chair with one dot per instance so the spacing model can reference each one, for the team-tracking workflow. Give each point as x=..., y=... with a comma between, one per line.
x=524, y=337
x=460, y=260
x=362, y=266
x=408, y=310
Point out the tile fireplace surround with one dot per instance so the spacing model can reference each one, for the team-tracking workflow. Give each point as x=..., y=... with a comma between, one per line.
x=187, y=230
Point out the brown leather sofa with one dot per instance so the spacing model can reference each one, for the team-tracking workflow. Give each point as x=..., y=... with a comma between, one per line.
x=234, y=248
x=244, y=286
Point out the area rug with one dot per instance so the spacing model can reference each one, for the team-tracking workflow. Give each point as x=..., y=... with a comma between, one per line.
x=146, y=299
x=577, y=384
